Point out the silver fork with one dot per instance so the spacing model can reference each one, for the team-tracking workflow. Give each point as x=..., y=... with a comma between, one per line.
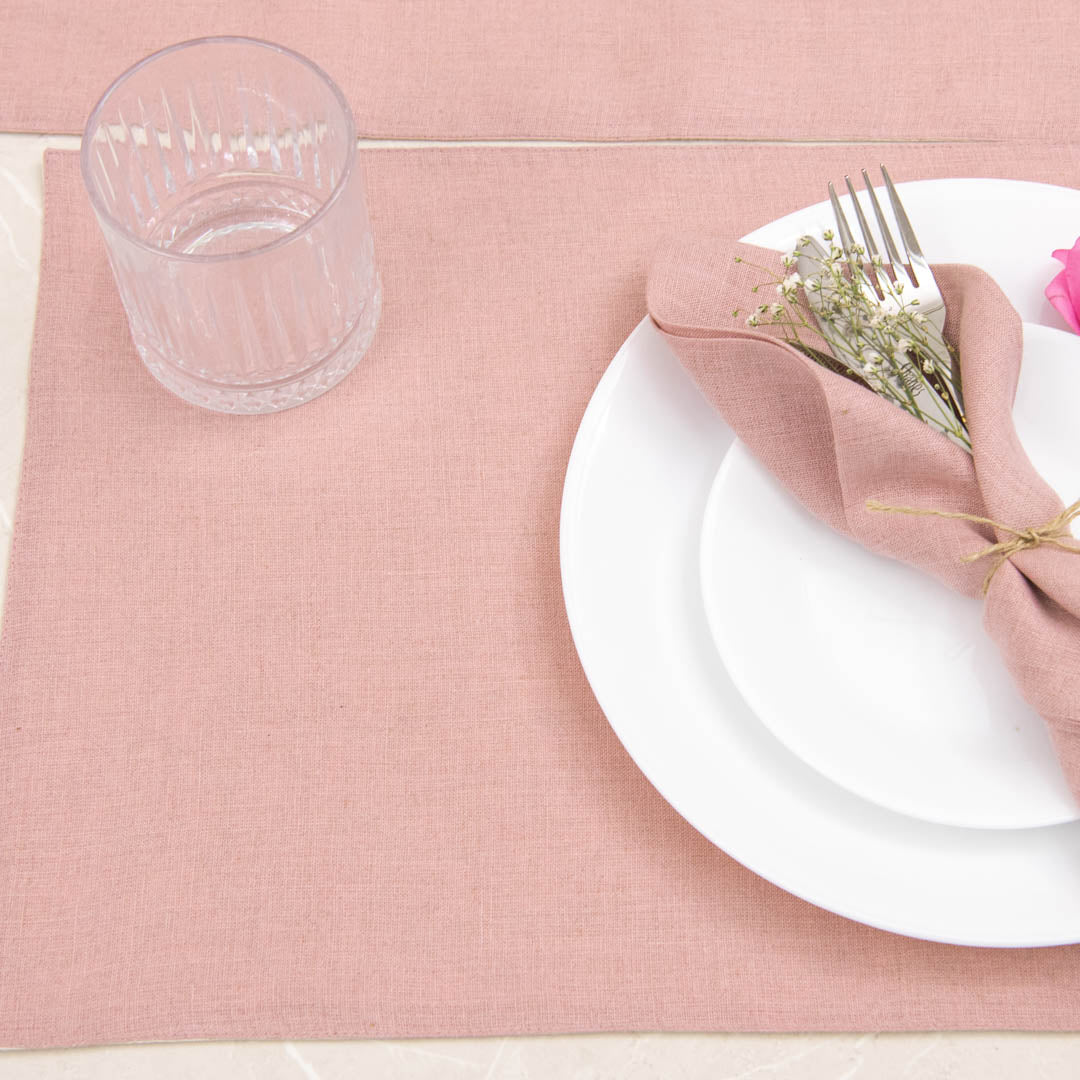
x=913, y=270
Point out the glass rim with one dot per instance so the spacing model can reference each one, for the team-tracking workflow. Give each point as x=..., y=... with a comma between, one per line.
x=93, y=121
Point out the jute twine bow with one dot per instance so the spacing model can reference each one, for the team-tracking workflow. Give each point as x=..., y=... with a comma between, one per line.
x=1052, y=533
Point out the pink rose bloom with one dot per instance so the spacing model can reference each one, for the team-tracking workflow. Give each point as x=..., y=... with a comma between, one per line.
x=1064, y=291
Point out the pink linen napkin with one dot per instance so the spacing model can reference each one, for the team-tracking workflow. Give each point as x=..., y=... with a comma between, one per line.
x=835, y=445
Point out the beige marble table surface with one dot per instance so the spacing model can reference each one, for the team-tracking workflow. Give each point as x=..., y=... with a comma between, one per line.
x=938, y=1056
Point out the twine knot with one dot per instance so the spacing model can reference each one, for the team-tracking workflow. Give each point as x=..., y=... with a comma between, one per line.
x=1054, y=533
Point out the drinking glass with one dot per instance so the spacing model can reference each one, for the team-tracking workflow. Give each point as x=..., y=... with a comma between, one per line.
x=223, y=174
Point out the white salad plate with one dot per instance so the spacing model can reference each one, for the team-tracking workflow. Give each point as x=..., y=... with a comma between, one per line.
x=876, y=674
x=638, y=482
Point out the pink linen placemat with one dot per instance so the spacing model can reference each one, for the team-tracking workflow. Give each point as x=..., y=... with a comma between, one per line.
x=767, y=69
x=293, y=738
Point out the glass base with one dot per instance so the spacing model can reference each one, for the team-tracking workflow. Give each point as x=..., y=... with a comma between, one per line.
x=273, y=397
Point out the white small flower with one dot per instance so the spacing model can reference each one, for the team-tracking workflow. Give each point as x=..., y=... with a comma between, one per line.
x=919, y=319
x=869, y=368
x=753, y=320
x=761, y=309
x=788, y=286
x=777, y=310
x=904, y=345
x=827, y=235
x=899, y=286
x=928, y=366
x=813, y=285
x=788, y=260
x=875, y=261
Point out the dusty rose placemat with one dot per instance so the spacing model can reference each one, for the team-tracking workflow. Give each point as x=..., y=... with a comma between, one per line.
x=759, y=69
x=293, y=738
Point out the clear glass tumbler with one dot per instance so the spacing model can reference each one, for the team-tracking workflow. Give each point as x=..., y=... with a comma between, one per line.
x=224, y=177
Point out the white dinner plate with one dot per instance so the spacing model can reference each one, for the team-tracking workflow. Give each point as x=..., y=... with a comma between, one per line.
x=639, y=475
x=890, y=685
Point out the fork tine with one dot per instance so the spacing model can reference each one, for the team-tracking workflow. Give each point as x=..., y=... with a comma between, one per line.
x=876, y=268
x=847, y=242
x=868, y=236
x=886, y=236
x=907, y=233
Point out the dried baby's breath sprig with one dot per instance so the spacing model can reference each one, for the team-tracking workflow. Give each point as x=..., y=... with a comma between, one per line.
x=877, y=337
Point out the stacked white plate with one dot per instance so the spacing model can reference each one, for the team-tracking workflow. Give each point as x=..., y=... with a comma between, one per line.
x=839, y=723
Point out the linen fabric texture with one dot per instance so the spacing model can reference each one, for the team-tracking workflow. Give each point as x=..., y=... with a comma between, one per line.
x=562, y=69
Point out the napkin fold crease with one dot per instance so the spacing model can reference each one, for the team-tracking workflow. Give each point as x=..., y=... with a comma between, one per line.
x=834, y=445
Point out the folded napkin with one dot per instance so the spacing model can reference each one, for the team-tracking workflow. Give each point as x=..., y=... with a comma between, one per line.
x=835, y=445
